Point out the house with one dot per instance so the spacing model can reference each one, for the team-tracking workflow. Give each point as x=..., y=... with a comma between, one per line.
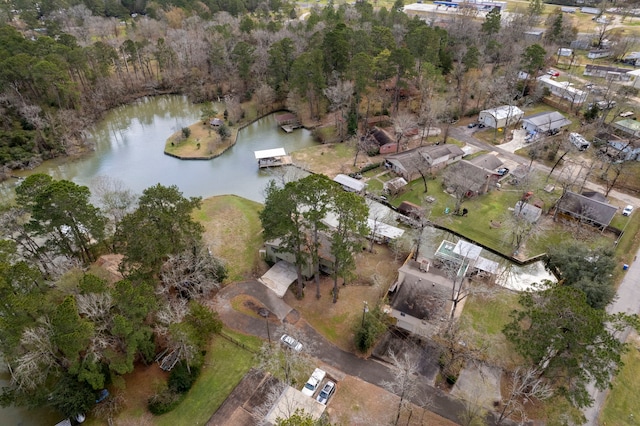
x=272, y=157
x=216, y=122
x=383, y=233
x=394, y=186
x=628, y=127
x=274, y=253
x=432, y=158
x=350, y=184
x=291, y=400
x=610, y=73
x=502, y=116
x=477, y=179
x=622, y=149
x=586, y=209
x=529, y=212
x=599, y=53
x=487, y=161
x=563, y=89
x=545, y=122
x=420, y=298
x=632, y=58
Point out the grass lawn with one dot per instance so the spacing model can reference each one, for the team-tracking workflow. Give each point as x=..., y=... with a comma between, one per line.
x=622, y=406
x=233, y=232
x=484, y=317
x=225, y=366
x=203, y=142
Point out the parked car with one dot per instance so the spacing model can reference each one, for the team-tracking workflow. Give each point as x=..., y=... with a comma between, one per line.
x=291, y=343
x=102, y=395
x=326, y=392
x=627, y=211
x=553, y=73
x=314, y=382
x=503, y=171
x=472, y=125
x=356, y=175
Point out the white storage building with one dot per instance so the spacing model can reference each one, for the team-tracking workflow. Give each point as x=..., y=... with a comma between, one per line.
x=502, y=116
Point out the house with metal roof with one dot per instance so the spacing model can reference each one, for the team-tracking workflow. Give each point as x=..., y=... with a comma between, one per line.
x=350, y=184
x=545, y=122
x=502, y=116
x=563, y=89
x=610, y=73
x=432, y=158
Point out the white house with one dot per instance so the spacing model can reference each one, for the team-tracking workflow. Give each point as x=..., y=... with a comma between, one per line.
x=598, y=53
x=563, y=89
x=545, y=122
x=502, y=116
x=350, y=184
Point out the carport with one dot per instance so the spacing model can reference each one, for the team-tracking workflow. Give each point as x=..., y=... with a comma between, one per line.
x=279, y=277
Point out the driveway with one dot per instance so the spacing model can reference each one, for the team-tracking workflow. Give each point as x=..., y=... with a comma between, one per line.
x=369, y=370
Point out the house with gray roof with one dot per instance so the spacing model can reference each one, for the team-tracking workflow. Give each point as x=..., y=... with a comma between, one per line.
x=545, y=122
x=487, y=161
x=586, y=209
x=432, y=158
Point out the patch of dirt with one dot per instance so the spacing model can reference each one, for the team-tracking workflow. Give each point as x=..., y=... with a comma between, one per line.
x=111, y=263
x=141, y=384
x=357, y=402
x=336, y=321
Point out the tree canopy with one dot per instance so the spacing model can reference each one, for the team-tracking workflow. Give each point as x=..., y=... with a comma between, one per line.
x=566, y=341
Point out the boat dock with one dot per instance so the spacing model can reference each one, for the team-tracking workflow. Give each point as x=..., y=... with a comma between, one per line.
x=272, y=158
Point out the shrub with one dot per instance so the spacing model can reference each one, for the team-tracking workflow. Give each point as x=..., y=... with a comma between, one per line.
x=186, y=132
x=182, y=377
x=163, y=402
x=224, y=131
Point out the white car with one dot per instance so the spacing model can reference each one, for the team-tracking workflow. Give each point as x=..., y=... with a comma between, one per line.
x=627, y=211
x=291, y=343
x=314, y=381
x=326, y=392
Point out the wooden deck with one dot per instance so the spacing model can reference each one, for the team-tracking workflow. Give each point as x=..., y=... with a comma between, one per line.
x=288, y=128
x=275, y=162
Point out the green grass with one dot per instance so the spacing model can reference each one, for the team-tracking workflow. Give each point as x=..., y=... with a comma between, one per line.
x=225, y=365
x=238, y=241
x=622, y=406
x=483, y=319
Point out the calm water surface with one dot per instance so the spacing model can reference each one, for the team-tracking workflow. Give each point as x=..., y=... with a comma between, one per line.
x=129, y=145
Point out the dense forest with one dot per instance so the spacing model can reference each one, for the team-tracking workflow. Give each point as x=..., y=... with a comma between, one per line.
x=64, y=65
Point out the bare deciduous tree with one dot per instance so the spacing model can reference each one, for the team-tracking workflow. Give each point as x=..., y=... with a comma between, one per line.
x=526, y=386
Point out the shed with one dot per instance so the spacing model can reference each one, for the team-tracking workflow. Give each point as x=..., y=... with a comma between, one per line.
x=545, y=122
x=563, y=51
x=527, y=211
x=389, y=148
x=216, y=122
x=350, y=184
x=410, y=209
x=395, y=185
x=287, y=118
x=502, y=116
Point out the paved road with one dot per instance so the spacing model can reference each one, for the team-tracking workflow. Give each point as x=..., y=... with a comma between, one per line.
x=628, y=301
x=465, y=134
x=284, y=318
